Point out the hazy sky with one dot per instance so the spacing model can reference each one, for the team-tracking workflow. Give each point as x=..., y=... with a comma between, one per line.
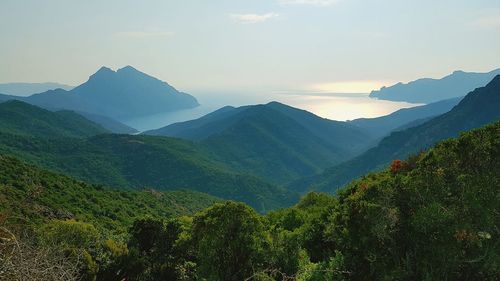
x=251, y=45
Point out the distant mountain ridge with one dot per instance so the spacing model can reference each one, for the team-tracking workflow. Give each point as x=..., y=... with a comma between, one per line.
x=406, y=117
x=428, y=90
x=121, y=94
x=478, y=108
x=27, y=89
x=274, y=141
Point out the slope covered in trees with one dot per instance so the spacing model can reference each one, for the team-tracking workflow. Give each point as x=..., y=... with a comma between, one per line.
x=433, y=216
x=274, y=141
x=66, y=142
x=28, y=193
x=143, y=161
x=478, y=108
x=20, y=118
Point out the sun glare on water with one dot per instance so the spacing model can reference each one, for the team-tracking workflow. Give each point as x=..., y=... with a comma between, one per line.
x=348, y=86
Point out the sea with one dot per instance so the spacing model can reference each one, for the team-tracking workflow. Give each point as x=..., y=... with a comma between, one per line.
x=334, y=106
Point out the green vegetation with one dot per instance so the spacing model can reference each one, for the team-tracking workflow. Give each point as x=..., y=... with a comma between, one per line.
x=20, y=118
x=57, y=141
x=434, y=216
x=130, y=162
x=274, y=141
x=478, y=108
x=31, y=194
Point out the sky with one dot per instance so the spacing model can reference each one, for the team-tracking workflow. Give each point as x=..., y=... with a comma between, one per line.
x=250, y=46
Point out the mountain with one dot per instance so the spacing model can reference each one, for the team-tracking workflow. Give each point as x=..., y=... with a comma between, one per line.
x=429, y=90
x=431, y=217
x=4, y=97
x=37, y=195
x=27, y=89
x=120, y=94
x=478, y=108
x=69, y=143
x=202, y=127
x=109, y=124
x=404, y=118
x=445, y=199
x=274, y=141
x=20, y=118
x=132, y=162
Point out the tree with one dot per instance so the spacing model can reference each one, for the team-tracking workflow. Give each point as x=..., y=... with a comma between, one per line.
x=229, y=240
x=77, y=240
x=154, y=247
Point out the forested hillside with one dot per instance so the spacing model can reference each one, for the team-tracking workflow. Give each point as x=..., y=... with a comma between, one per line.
x=433, y=216
x=69, y=143
x=130, y=162
x=269, y=155
x=28, y=193
x=477, y=109
x=20, y=118
x=274, y=141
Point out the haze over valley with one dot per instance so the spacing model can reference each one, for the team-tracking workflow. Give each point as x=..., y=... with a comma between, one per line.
x=334, y=106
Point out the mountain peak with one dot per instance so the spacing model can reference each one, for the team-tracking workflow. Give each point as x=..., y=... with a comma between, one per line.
x=104, y=69
x=127, y=92
x=103, y=72
x=275, y=103
x=127, y=68
x=458, y=72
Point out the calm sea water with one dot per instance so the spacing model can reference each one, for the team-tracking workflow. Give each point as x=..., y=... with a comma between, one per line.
x=332, y=106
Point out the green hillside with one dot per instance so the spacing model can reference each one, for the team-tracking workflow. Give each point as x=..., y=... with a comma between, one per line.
x=273, y=141
x=68, y=143
x=56, y=140
x=143, y=161
x=20, y=118
x=430, y=217
x=477, y=109
x=28, y=193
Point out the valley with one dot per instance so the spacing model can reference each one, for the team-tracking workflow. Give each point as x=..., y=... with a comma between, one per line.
x=272, y=140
